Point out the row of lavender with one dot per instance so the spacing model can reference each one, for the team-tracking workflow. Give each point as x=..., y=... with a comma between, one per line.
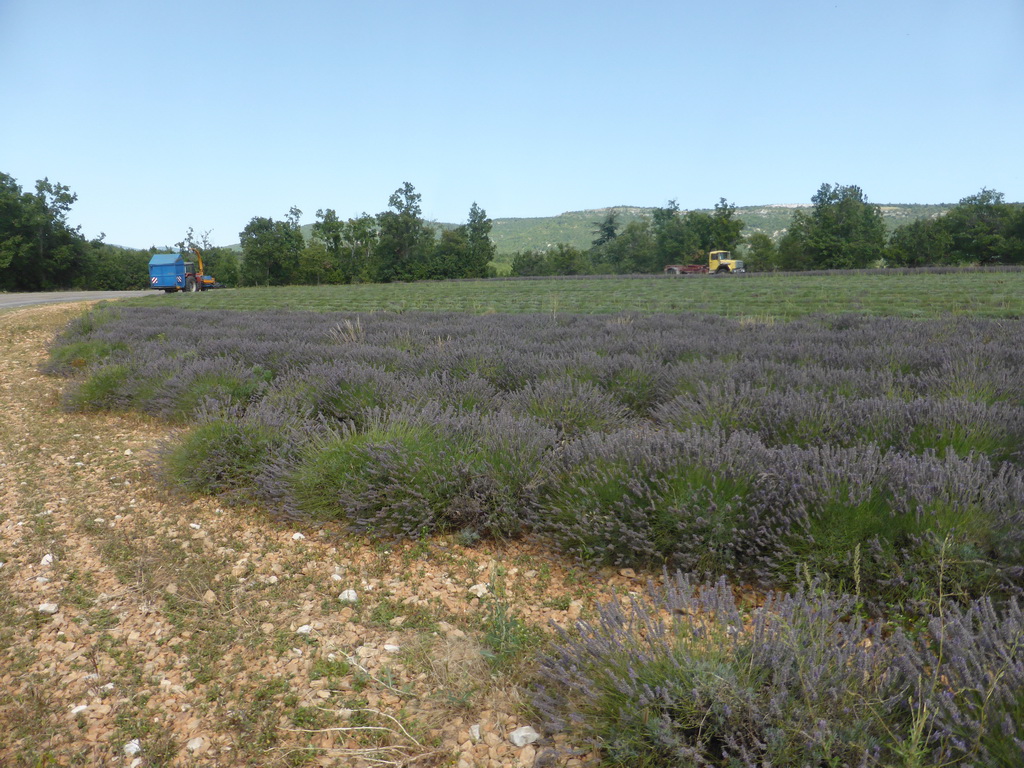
x=881, y=453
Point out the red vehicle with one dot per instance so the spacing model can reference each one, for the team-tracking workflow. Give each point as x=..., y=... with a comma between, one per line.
x=686, y=269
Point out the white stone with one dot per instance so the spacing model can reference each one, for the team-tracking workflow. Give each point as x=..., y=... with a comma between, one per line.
x=305, y=629
x=474, y=732
x=298, y=536
x=390, y=648
x=196, y=526
x=48, y=608
x=194, y=745
x=128, y=452
x=335, y=577
x=479, y=590
x=133, y=747
x=79, y=709
x=523, y=736
x=348, y=596
x=47, y=559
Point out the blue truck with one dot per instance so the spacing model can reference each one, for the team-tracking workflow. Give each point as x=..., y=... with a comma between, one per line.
x=169, y=272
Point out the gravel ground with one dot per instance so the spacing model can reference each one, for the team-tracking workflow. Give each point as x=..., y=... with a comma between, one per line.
x=138, y=628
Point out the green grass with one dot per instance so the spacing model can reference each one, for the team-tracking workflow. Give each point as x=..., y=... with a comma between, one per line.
x=759, y=297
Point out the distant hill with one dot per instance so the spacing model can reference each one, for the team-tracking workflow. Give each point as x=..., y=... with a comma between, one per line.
x=576, y=228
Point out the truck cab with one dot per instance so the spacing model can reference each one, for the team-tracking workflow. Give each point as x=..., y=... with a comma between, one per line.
x=720, y=262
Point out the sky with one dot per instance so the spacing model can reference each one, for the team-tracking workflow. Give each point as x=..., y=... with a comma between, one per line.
x=165, y=115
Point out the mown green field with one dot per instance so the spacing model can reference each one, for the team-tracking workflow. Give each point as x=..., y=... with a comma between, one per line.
x=755, y=296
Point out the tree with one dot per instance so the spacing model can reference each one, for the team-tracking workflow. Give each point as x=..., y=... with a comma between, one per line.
x=15, y=240
x=404, y=239
x=271, y=250
x=462, y=251
x=361, y=239
x=980, y=228
x=112, y=268
x=39, y=249
x=316, y=265
x=605, y=230
x=481, y=249
x=726, y=229
x=632, y=251
x=763, y=254
x=841, y=231
x=450, y=255
x=675, y=241
x=329, y=232
x=566, y=260
x=920, y=243
x=529, y=264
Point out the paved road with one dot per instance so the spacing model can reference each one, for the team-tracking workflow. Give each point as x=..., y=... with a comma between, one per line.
x=11, y=300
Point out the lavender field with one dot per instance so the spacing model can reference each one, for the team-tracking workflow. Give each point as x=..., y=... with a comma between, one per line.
x=881, y=458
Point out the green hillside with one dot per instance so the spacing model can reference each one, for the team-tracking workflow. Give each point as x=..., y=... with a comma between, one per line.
x=576, y=228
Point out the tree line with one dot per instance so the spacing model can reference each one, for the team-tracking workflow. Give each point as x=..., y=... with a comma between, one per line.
x=395, y=244
x=40, y=250
x=841, y=230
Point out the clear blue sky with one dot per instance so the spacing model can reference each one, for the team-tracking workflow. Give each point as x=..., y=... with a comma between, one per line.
x=205, y=113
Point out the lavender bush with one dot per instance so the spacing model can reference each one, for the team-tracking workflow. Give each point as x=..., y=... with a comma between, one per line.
x=859, y=449
x=965, y=675
x=687, y=675
x=418, y=472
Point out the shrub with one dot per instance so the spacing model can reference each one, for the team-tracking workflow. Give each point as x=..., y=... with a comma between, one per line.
x=67, y=358
x=686, y=675
x=104, y=389
x=683, y=677
x=698, y=501
x=569, y=406
x=232, y=454
x=965, y=675
x=419, y=473
x=207, y=383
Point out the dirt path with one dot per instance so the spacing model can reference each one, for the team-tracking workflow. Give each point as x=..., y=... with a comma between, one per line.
x=142, y=629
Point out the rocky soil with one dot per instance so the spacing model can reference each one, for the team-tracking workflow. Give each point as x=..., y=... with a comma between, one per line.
x=141, y=628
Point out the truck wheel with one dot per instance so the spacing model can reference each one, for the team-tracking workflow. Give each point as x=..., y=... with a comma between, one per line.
x=191, y=285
